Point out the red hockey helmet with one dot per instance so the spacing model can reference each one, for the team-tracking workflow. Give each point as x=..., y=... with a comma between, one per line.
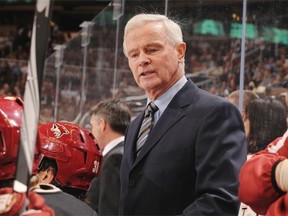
x=74, y=150
x=11, y=109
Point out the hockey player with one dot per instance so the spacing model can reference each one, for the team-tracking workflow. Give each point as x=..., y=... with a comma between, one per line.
x=12, y=202
x=67, y=157
x=263, y=179
x=68, y=160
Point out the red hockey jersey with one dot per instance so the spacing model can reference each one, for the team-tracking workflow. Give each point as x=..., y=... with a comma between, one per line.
x=258, y=187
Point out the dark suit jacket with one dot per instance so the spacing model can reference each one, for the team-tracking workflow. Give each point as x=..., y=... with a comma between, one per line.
x=190, y=162
x=104, y=191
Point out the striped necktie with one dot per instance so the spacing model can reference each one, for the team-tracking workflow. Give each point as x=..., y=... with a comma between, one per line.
x=146, y=126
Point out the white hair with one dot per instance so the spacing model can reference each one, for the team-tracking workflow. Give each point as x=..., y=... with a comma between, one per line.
x=173, y=29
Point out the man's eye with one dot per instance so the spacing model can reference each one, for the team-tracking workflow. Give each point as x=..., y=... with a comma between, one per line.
x=152, y=50
x=134, y=55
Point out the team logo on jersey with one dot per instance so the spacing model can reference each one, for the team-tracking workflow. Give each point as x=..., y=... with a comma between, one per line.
x=59, y=130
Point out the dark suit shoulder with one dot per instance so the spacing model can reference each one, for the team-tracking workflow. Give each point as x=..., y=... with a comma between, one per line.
x=65, y=204
x=192, y=96
x=118, y=149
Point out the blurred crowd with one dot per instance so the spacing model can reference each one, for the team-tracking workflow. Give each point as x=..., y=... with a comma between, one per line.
x=215, y=63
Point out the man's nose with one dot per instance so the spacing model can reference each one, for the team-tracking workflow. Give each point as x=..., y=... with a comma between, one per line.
x=143, y=60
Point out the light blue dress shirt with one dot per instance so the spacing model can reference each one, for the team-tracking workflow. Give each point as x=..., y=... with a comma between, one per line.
x=164, y=99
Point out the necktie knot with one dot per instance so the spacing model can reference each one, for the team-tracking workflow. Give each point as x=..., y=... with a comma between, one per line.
x=151, y=108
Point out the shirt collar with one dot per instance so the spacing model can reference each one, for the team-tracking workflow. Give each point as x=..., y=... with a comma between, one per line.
x=111, y=145
x=164, y=99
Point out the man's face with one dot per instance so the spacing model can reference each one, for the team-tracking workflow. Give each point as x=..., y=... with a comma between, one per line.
x=153, y=59
x=95, y=122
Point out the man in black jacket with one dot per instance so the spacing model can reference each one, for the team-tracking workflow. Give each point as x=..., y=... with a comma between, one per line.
x=109, y=120
x=190, y=161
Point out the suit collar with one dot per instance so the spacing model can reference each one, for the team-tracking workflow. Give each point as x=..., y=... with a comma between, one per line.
x=118, y=149
x=163, y=100
x=112, y=144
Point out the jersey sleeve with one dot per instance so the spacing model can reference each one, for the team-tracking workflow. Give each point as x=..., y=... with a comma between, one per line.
x=258, y=187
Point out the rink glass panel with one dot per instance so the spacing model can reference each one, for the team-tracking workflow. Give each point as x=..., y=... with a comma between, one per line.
x=92, y=66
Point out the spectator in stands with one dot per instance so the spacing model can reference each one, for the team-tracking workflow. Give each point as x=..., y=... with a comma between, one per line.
x=248, y=96
x=266, y=120
x=279, y=92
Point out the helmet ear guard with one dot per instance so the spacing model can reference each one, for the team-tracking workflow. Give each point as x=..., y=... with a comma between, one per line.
x=75, y=151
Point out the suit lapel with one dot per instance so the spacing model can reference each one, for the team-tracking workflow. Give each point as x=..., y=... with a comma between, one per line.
x=173, y=113
x=167, y=120
x=131, y=138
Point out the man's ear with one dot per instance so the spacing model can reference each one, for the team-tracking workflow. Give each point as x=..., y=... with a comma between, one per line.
x=103, y=124
x=244, y=116
x=181, y=49
x=49, y=176
x=46, y=176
